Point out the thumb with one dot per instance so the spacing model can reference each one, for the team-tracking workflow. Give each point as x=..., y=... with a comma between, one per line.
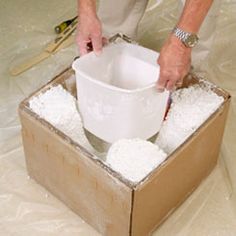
x=97, y=44
x=162, y=81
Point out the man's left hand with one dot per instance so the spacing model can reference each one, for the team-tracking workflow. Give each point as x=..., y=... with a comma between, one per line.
x=175, y=62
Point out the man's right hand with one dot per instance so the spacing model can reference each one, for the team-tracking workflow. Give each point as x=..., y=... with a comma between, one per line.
x=89, y=32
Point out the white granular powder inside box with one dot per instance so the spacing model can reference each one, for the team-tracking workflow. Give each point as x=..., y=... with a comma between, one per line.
x=134, y=158
x=58, y=107
x=189, y=109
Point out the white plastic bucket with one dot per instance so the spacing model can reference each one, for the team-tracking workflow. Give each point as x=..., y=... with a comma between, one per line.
x=116, y=92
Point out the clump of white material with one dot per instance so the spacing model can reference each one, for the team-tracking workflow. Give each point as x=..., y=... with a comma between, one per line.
x=58, y=107
x=189, y=109
x=134, y=158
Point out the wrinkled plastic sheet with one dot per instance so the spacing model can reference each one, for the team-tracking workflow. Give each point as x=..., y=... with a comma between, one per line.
x=26, y=207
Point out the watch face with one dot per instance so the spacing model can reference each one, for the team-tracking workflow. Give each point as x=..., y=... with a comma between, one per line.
x=191, y=40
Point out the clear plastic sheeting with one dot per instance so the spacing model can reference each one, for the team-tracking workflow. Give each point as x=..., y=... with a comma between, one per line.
x=27, y=208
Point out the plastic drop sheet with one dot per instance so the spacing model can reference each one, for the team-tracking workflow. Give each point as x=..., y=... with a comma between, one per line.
x=26, y=208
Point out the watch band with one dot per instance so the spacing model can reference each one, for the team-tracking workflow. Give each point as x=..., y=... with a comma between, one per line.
x=188, y=39
x=182, y=35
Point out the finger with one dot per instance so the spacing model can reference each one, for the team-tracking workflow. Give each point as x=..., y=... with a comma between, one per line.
x=97, y=44
x=161, y=88
x=161, y=84
x=171, y=85
x=162, y=81
x=163, y=77
x=83, y=50
x=82, y=43
x=179, y=83
x=104, y=41
x=90, y=46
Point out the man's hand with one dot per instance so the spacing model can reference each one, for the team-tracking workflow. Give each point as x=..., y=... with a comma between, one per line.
x=89, y=32
x=174, y=61
x=175, y=58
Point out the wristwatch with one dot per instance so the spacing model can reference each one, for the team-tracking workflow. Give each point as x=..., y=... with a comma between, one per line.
x=188, y=39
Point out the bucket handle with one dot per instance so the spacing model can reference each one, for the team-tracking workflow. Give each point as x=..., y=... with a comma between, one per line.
x=116, y=36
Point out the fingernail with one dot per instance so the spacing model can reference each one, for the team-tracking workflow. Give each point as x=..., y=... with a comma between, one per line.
x=98, y=53
x=178, y=85
x=173, y=89
x=160, y=89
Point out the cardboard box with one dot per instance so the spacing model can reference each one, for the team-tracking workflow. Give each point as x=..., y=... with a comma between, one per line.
x=111, y=204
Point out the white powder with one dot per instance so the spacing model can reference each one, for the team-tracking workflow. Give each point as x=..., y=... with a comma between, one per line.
x=189, y=109
x=58, y=107
x=134, y=158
